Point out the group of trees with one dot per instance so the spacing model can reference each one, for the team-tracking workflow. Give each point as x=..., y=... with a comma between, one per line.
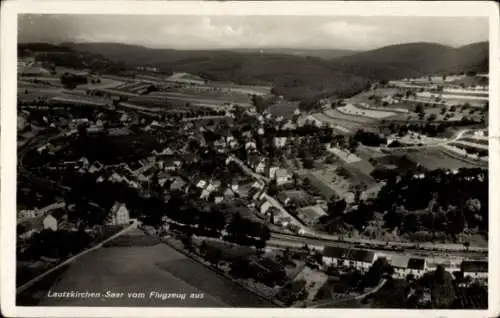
x=57, y=244
x=440, y=206
x=448, y=202
x=309, y=105
x=428, y=129
x=246, y=268
x=260, y=103
x=71, y=81
x=292, y=292
x=369, y=138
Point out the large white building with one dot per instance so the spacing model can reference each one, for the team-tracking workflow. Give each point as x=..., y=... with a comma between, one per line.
x=338, y=256
x=119, y=214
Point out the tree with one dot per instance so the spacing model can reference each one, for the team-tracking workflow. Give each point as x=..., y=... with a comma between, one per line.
x=259, y=102
x=273, y=188
x=379, y=269
x=419, y=109
x=187, y=241
x=336, y=208
x=442, y=290
x=410, y=223
x=466, y=245
x=213, y=255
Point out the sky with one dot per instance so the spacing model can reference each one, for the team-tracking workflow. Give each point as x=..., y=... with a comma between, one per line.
x=218, y=32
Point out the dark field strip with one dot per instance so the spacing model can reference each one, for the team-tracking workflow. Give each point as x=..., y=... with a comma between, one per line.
x=219, y=286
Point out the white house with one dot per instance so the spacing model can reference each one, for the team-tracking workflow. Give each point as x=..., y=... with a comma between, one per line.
x=261, y=166
x=479, y=133
x=265, y=207
x=201, y=184
x=119, y=214
x=250, y=145
x=282, y=177
x=50, y=223
x=280, y=142
x=235, y=187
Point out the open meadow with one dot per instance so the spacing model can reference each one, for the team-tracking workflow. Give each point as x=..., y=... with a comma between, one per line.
x=144, y=269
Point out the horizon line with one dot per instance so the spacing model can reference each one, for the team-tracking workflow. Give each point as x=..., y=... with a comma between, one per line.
x=62, y=43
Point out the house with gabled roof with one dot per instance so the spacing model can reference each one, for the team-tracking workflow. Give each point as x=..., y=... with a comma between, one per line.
x=119, y=214
x=475, y=269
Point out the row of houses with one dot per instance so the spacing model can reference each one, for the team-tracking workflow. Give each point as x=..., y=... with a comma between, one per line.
x=403, y=264
x=262, y=166
x=57, y=219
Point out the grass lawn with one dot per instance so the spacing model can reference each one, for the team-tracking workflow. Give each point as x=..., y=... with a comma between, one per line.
x=434, y=159
x=285, y=109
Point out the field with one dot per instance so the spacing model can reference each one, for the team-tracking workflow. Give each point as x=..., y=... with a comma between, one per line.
x=329, y=182
x=146, y=269
x=347, y=123
x=435, y=159
x=335, y=114
x=364, y=96
x=164, y=100
x=228, y=251
x=365, y=112
x=285, y=109
x=202, y=98
x=338, y=125
x=475, y=140
x=243, y=89
x=471, y=144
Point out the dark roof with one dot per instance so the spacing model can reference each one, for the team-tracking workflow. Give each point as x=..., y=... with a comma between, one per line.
x=474, y=266
x=337, y=252
x=361, y=256
x=416, y=263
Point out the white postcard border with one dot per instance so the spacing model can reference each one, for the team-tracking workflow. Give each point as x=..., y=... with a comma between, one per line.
x=319, y=8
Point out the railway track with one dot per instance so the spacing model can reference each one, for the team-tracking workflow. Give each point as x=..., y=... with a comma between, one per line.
x=399, y=247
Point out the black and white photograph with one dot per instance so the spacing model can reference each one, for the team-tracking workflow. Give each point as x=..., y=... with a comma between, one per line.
x=271, y=160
